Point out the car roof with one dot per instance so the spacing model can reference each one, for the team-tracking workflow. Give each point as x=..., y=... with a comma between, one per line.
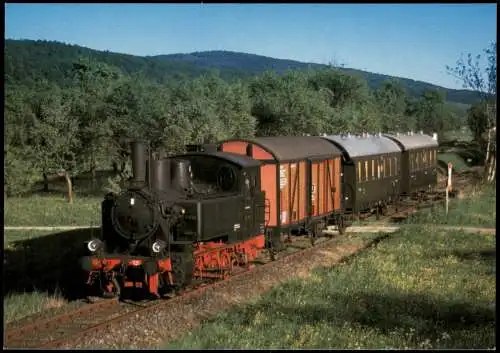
x=411, y=141
x=356, y=146
x=288, y=148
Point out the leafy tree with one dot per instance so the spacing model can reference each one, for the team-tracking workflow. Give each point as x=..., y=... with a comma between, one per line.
x=20, y=170
x=55, y=135
x=391, y=101
x=93, y=83
x=482, y=78
x=431, y=112
x=287, y=105
x=353, y=106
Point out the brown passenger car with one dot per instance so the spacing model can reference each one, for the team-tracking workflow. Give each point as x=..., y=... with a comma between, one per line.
x=300, y=176
x=419, y=161
x=371, y=171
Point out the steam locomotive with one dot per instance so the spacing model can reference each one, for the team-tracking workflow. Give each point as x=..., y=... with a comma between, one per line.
x=197, y=215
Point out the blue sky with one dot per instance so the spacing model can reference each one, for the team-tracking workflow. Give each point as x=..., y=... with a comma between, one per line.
x=413, y=41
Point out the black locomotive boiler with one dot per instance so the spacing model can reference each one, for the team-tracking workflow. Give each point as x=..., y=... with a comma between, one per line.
x=195, y=215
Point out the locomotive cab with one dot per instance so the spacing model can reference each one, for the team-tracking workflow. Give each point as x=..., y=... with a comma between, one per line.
x=228, y=201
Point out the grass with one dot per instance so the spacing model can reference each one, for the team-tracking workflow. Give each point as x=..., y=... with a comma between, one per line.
x=459, y=164
x=418, y=289
x=17, y=306
x=52, y=211
x=478, y=210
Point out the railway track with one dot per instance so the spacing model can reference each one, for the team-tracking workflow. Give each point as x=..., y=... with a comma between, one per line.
x=75, y=324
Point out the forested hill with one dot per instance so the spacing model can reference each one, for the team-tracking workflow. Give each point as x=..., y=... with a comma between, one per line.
x=27, y=61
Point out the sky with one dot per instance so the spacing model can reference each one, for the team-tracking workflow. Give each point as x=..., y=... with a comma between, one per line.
x=412, y=41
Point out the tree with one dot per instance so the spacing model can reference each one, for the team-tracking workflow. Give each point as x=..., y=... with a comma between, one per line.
x=391, y=101
x=431, y=114
x=352, y=103
x=481, y=76
x=55, y=136
x=287, y=105
x=477, y=121
x=93, y=81
x=20, y=169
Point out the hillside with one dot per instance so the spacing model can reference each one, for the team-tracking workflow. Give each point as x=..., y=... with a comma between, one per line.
x=256, y=64
x=27, y=61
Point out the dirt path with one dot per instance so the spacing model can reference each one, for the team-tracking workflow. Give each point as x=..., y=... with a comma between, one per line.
x=47, y=228
x=375, y=228
x=390, y=229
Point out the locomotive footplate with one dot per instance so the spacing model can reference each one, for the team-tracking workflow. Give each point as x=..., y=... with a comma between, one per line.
x=120, y=263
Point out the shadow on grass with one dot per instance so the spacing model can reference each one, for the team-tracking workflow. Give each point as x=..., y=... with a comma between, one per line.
x=48, y=263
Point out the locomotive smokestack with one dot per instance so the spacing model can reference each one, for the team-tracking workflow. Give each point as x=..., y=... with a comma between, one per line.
x=160, y=174
x=139, y=157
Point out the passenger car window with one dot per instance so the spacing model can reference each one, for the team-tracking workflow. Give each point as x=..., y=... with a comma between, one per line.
x=373, y=169
x=359, y=171
x=366, y=171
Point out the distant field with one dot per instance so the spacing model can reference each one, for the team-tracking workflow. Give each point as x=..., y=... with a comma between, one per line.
x=464, y=135
x=52, y=211
x=419, y=290
x=477, y=210
x=458, y=162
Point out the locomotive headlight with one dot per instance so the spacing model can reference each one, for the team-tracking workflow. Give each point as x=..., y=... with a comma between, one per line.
x=132, y=201
x=158, y=246
x=94, y=245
